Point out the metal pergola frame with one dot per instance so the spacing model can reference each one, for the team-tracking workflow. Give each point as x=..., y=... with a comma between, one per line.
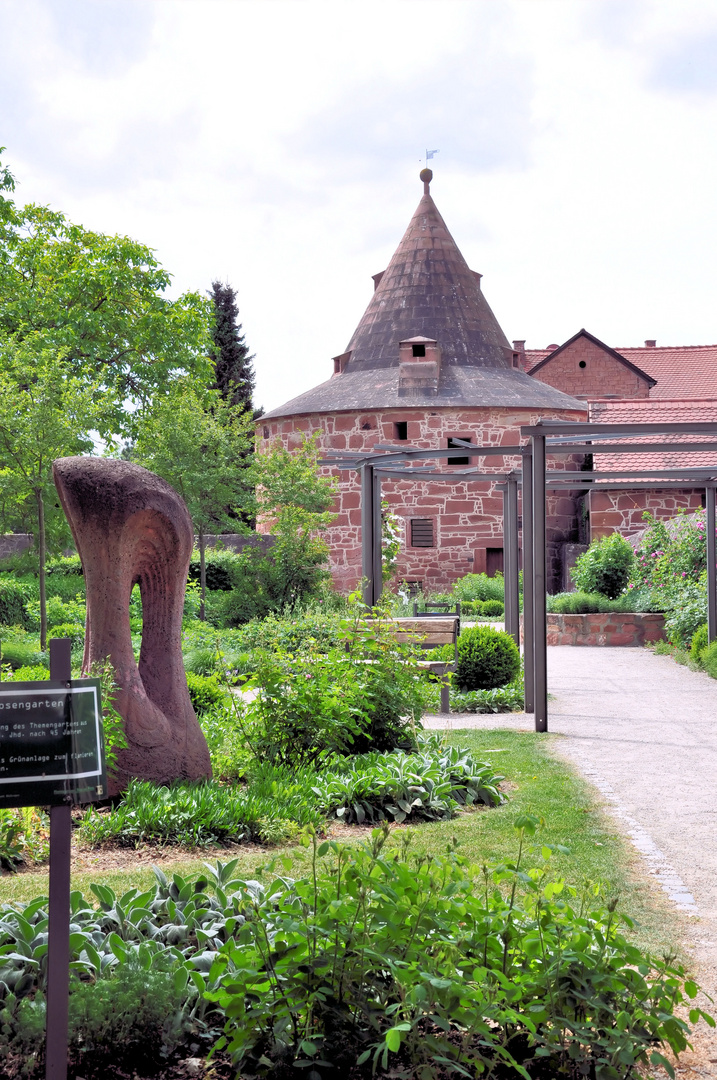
x=547, y=437
x=571, y=437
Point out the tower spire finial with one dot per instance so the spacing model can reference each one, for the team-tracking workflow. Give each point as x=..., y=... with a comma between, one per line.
x=426, y=175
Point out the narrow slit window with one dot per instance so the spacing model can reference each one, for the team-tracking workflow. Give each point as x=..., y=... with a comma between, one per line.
x=455, y=443
x=419, y=350
x=422, y=532
x=401, y=430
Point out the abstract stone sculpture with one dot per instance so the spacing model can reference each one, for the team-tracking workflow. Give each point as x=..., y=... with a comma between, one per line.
x=131, y=527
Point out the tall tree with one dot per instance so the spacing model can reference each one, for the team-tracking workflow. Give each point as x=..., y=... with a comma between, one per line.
x=46, y=411
x=196, y=442
x=233, y=368
x=98, y=301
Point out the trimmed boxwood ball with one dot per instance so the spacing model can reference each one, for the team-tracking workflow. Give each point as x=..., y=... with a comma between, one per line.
x=486, y=658
x=491, y=608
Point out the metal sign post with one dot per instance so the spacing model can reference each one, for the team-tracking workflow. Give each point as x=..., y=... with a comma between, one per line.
x=52, y=754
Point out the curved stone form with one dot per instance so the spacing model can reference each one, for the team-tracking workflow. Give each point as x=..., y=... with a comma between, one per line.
x=131, y=527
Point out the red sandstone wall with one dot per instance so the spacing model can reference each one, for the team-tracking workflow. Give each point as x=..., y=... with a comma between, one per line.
x=622, y=511
x=467, y=515
x=602, y=374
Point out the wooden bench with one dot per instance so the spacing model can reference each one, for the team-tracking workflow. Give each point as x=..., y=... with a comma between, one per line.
x=428, y=631
x=437, y=610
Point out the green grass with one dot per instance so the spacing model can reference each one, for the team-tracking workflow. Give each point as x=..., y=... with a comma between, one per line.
x=544, y=785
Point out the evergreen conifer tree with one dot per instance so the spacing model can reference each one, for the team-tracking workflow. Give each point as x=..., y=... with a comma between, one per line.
x=234, y=372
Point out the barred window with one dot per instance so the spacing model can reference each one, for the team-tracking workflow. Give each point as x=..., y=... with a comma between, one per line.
x=422, y=532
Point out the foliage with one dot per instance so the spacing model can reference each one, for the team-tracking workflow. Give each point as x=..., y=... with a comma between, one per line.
x=233, y=369
x=293, y=502
x=59, y=611
x=112, y=723
x=19, y=654
x=428, y=964
x=708, y=659
x=204, y=692
x=685, y=605
x=501, y=699
x=492, y=608
x=199, y=813
x=196, y=441
x=391, y=540
x=605, y=567
x=73, y=631
x=424, y=786
x=24, y=836
x=28, y=673
x=221, y=567
x=14, y=595
x=46, y=412
x=486, y=658
x=64, y=565
x=699, y=643
x=97, y=301
x=671, y=552
x=479, y=587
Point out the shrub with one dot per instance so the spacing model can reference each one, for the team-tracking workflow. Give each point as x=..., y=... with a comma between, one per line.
x=685, y=606
x=479, y=587
x=59, y=612
x=222, y=568
x=68, y=630
x=605, y=567
x=30, y=673
x=492, y=608
x=486, y=658
x=20, y=654
x=709, y=659
x=14, y=595
x=699, y=643
x=64, y=566
x=204, y=692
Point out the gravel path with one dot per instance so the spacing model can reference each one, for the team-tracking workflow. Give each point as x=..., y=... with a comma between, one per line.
x=643, y=730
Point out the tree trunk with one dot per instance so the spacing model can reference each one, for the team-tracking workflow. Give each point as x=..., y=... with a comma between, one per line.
x=41, y=546
x=202, y=574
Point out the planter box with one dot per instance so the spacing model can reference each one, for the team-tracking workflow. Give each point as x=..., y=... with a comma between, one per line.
x=606, y=628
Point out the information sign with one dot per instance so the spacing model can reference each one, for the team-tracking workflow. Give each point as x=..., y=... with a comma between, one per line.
x=51, y=743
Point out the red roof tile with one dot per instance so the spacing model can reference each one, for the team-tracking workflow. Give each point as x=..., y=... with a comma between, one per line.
x=650, y=411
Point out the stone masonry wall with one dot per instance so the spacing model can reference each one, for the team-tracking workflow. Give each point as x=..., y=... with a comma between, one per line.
x=467, y=516
x=622, y=511
x=606, y=628
x=602, y=374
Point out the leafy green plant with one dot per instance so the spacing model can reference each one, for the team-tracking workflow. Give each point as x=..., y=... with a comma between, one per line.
x=204, y=691
x=14, y=595
x=112, y=723
x=699, y=643
x=605, y=567
x=20, y=654
x=479, y=587
x=428, y=964
x=28, y=673
x=73, y=631
x=198, y=813
x=424, y=786
x=709, y=659
x=486, y=658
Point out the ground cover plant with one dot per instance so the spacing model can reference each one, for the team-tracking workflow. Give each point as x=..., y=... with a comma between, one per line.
x=373, y=957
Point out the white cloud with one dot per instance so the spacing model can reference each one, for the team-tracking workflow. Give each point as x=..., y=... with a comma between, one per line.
x=276, y=145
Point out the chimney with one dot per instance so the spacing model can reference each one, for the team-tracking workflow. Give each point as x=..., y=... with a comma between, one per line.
x=650, y=343
x=519, y=354
x=419, y=367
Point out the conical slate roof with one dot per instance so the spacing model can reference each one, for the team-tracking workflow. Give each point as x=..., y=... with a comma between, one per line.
x=428, y=292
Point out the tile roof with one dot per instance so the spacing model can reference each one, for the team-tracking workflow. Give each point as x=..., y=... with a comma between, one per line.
x=650, y=411
x=681, y=371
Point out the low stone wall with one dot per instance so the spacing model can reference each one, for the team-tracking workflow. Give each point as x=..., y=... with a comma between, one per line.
x=606, y=628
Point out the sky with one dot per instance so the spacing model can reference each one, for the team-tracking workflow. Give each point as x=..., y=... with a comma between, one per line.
x=276, y=145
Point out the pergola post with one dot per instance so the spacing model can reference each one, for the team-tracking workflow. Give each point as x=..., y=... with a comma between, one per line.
x=540, y=673
x=377, y=539
x=367, y=533
x=711, y=571
x=510, y=557
x=528, y=606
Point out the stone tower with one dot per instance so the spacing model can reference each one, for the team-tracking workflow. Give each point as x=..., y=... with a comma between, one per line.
x=427, y=363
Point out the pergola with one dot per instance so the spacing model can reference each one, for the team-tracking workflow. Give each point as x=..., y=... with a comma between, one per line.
x=552, y=437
